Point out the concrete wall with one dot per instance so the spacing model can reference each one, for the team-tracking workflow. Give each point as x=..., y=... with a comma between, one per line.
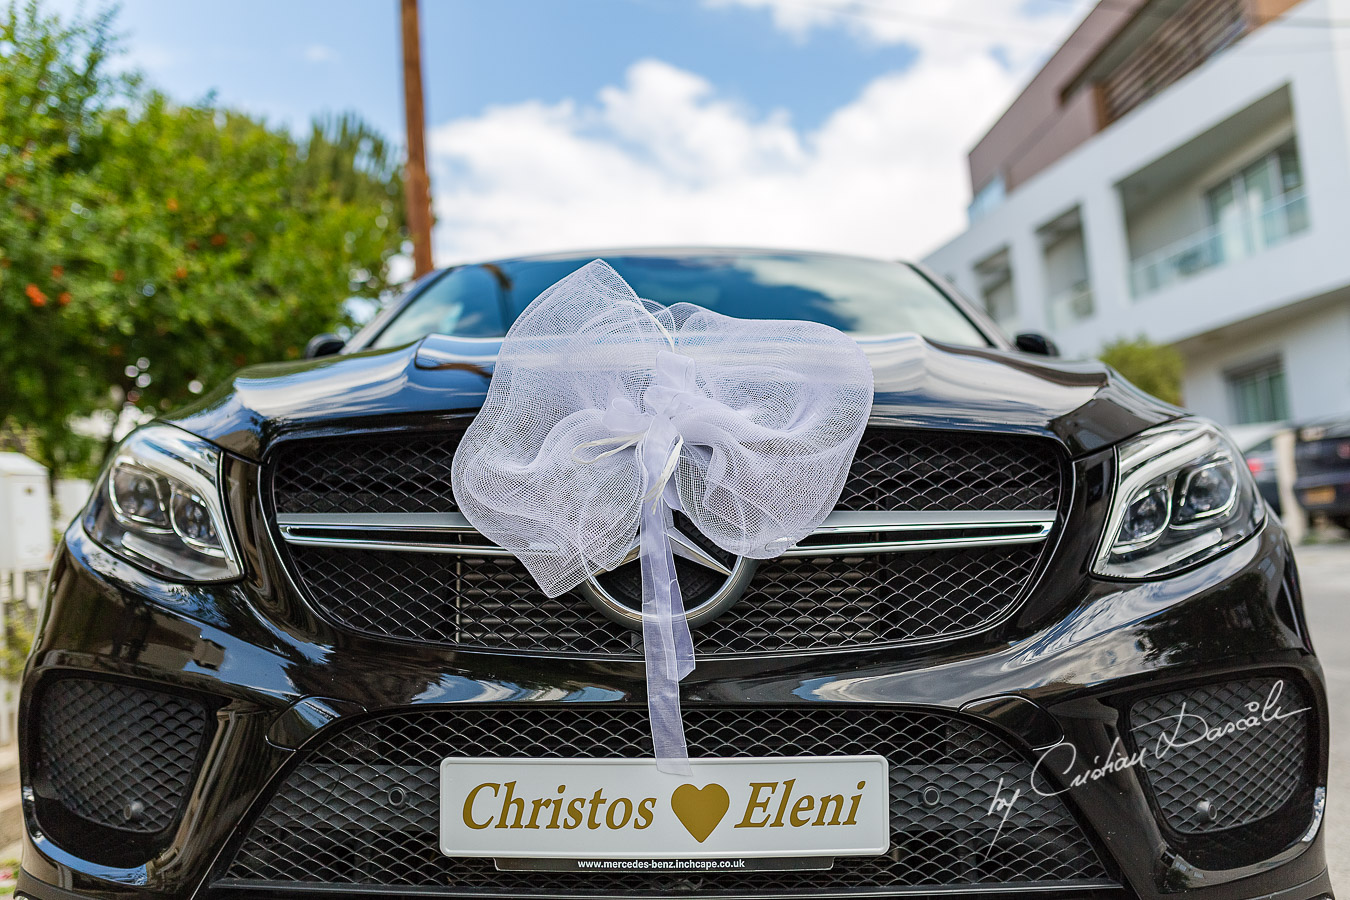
x=1061, y=109
x=1315, y=77
x=1314, y=348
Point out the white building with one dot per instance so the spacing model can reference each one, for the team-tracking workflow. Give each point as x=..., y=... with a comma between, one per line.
x=1180, y=170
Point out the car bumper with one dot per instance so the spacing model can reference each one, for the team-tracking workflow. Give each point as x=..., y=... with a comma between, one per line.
x=274, y=694
x=1327, y=492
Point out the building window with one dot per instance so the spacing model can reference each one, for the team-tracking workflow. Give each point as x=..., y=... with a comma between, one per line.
x=994, y=276
x=1258, y=393
x=1258, y=206
x=1067, y=288
x=986, y=198
x=1253, y=209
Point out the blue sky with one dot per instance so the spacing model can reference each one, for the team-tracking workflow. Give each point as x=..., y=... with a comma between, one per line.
x=563, y=123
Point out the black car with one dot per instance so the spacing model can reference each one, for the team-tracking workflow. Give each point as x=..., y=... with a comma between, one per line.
x=1322, y=470
x=1050, y=603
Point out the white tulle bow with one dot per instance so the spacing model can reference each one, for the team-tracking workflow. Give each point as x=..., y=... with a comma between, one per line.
x=606, y=412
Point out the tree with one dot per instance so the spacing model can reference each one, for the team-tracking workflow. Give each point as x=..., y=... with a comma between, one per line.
x=1155, y=368
x=150, y=248
x=54, y=86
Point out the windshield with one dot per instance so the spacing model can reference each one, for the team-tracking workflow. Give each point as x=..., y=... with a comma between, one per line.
x=860, y=296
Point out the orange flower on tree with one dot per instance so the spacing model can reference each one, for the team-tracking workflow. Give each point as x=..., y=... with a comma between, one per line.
x=58, y=272
x=172, y=204
x=64, y=299
x=35, y=295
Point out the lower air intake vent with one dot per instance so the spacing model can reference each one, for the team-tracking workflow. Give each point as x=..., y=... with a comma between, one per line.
x=1229, y=765
x=360, y=810
x=116, y=756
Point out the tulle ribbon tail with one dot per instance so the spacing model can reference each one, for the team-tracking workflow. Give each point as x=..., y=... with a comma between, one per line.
x=667, y=646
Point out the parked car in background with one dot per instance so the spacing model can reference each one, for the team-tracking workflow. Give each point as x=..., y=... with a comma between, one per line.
x=1322, y=463
x=1257, y=443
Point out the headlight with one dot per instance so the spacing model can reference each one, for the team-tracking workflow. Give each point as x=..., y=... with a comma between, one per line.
x=159, y=506
x=1183, y=494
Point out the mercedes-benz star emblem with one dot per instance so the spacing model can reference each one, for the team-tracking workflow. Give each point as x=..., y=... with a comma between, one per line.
x=709, y=590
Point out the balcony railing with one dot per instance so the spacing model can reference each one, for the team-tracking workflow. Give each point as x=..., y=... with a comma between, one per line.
x=1218, y=245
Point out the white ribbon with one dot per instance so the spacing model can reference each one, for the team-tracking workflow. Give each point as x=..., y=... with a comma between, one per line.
x=746, y=427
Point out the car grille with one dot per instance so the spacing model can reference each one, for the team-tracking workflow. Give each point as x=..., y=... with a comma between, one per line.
x=1235, y=780
x=812, y=603
x=893, y=470
x=361, y=808
x=115, y=755
x=821, y=602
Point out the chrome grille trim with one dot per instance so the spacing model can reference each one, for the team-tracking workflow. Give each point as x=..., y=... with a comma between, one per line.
x=904, y=531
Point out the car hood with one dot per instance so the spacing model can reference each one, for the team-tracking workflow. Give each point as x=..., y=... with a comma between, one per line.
x=1083, y=404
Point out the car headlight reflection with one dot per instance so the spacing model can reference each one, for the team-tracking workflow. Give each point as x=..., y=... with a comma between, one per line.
x=159, y=506
x=1183, y=495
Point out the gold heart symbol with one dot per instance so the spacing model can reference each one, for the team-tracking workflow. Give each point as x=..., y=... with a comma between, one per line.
x=700, y=809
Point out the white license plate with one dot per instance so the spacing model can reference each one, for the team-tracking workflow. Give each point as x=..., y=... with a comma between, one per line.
x=614, y=809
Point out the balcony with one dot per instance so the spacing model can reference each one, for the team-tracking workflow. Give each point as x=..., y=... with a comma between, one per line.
x=1236, y=238
x=1070, y=307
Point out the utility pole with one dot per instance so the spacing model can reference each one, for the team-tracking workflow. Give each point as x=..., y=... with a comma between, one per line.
x=416, y=182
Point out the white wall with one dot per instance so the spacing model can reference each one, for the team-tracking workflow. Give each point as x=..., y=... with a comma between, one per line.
x=1315, y=350
x=1316, y=74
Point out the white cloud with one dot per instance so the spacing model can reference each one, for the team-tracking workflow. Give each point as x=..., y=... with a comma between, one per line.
x=320, y=53
x=949, y=28
x=662, y=158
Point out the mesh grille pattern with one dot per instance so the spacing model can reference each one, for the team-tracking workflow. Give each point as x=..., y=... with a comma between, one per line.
x=385, y=474
x=336, y=819
x=799, y=603
x=916, y=470
x=893, y=470
x=1244, y=776
x=105, y=747
x=819, y=602
x=792, y=604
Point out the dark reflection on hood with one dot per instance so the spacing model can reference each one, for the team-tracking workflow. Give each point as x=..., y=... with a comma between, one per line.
x=918, y=383
x=961, y=387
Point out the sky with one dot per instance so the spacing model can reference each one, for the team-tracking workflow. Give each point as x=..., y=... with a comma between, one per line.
x=574, y=124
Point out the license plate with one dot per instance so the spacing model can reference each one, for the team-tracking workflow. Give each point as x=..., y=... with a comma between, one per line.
x=1319, y=495
x=625, y=809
